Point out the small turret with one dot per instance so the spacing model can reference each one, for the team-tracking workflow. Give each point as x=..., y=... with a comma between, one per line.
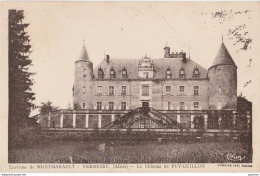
x=83, y=81
x=223, y=81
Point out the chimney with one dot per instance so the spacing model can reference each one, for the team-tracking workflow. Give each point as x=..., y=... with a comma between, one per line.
x=167, y=52
x=107, y=58
x=183, y=57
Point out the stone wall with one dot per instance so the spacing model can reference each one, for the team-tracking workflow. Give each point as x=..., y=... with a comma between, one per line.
x=228, y=81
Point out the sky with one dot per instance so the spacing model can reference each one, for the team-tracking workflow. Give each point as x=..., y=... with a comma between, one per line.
x=129, y=30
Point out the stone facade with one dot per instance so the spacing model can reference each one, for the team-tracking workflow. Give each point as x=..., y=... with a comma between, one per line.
x=174, y=82
x=176, y=92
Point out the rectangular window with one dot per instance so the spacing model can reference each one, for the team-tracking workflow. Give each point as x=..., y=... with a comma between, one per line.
x=99, y=90
x=219, y=72
x=182, y=107
x=181, y=89
x=123, y=90
x=145, y=90
x=123, y=105
x=99, y=105
x=196, y=105
x=84, y=72
x=169, y=105
x=168, y=89
x=111, y=105
x=111, y=90
x=83, y=105
x=196, y=90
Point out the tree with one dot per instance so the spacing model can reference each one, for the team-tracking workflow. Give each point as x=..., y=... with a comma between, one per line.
x=20, y=81
x=69, y=107
x=47, y=107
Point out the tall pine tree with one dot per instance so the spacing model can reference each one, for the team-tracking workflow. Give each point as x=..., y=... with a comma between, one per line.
x=20, y=81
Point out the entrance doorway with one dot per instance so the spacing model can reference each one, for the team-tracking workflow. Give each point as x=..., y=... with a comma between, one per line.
x=145, y=104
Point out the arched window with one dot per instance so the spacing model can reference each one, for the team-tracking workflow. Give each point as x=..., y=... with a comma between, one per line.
x=112, y=73
x=182, y=73
x=219, y=89
x=124, y=73
x=168, y=73
x=100, y=73
x=196, y=73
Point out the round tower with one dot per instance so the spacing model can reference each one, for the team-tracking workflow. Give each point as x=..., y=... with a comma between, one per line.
x=83, y=85
x=223, y=81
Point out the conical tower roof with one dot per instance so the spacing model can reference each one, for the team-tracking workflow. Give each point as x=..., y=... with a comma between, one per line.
x=83, y=54
x=223, y=57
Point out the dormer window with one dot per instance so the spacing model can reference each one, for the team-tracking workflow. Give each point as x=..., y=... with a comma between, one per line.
x=182, y=73
x=196, y=73
x=168, y=73
x=112, y=73
x=124, y=73
x=100, y=73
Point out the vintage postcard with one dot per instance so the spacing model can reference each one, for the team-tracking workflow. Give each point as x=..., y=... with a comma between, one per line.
x=130, y=87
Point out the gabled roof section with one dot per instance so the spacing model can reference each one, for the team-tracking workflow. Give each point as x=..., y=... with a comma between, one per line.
x=160, y=67
x=223, y=57
x=83, y=54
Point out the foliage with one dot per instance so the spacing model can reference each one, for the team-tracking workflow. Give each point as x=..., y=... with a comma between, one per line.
x=243, y=105
x=20, y=81
x=69, y=107
x=47, y=107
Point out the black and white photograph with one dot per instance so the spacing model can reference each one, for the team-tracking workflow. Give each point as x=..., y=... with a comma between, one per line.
x=117, y=84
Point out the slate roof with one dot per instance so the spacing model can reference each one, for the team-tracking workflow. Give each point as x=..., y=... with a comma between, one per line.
x=83, y=54
x=223, y=57
x=160, y=65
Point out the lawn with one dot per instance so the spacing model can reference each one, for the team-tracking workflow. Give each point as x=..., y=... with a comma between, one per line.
x=129, y=152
